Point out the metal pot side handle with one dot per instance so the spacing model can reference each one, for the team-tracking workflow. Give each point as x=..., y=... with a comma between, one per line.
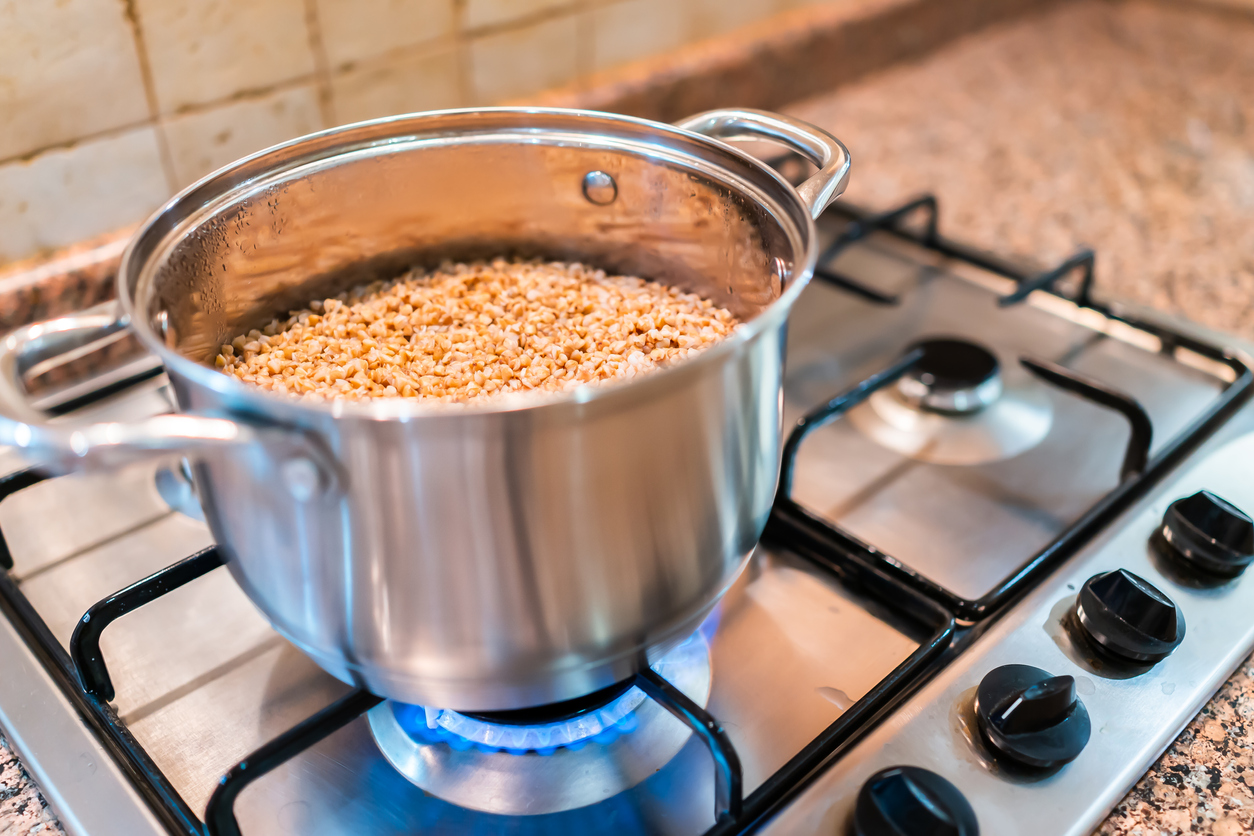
x=305, y=464
x=815, y=144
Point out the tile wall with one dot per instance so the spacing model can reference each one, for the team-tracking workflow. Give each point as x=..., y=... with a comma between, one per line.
x=107, y=107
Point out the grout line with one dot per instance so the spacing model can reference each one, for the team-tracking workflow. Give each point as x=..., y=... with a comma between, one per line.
x=523, y=22
x=578, y=10
x=244, y=95
x=241, y=95
x=65, y=145
x=585, y=33
x=322, y=64
x=150, y=93
x=465, y=72
x=382, y=60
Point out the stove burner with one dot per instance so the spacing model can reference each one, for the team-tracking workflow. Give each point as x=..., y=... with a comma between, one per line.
x=954, y=408
x=553, y=712
x=532, y=768
x=528, y=730
x=953, y=376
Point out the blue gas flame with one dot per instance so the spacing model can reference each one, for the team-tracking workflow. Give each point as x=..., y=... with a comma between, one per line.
x=602, y=726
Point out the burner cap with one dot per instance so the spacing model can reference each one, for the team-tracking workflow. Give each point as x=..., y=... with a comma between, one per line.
x=957, y=406
x=554, y=712
x=953, y=376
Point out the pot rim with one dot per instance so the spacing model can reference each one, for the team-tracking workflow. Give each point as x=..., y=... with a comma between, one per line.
x=247, y=397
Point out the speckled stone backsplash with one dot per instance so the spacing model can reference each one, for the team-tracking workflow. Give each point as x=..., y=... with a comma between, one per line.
x=1126, y=127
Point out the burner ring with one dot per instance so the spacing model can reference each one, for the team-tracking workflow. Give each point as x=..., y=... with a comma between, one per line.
x=955, y=377
x=565, y=778
x=554, y=712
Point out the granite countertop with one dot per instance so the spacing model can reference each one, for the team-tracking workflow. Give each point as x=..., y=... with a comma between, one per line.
x=23, y=811
x=1127, y=127
x=1205, y=781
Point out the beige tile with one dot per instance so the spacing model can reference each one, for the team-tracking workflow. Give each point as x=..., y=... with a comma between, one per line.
x=406, y=85
x=63, y=196
x=632, y=29
x=206, y=140
x=203, y=50
x=67, y=70
x=514, y=63
x=353, y=30
x=494, y=12
x=713, y=17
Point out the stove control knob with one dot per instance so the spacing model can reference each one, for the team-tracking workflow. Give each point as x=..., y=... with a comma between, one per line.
x=1129, y=618
x=1031, y=717
x=1207, y=533
x=909, y=801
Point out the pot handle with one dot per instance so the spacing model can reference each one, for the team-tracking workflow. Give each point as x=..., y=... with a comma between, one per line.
x=304, y=463
x=815, y=144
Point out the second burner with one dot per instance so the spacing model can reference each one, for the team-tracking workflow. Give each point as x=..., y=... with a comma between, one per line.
x=956, y=377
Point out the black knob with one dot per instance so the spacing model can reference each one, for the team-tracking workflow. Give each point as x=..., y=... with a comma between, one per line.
x=909, y=801
x=1128, y=617
x=1207, y=533
x=1030, y=716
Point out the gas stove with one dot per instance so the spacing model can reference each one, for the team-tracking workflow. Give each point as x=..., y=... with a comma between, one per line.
x=1002, y=573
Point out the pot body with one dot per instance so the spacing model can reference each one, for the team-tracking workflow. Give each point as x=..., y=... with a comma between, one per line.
x=509, y=559
x=520, y=551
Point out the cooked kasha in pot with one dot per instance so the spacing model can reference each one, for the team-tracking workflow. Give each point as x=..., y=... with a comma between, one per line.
x=471, y=330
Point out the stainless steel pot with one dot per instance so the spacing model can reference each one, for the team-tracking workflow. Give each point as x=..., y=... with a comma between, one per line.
x=477, y=557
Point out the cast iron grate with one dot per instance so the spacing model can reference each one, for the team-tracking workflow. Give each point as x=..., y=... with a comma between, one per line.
x=929, y=609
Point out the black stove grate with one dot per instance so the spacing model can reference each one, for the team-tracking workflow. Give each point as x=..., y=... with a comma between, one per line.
x=928, y=609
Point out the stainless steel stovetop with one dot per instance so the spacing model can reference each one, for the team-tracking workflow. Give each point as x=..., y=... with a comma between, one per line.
x=887, y=586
